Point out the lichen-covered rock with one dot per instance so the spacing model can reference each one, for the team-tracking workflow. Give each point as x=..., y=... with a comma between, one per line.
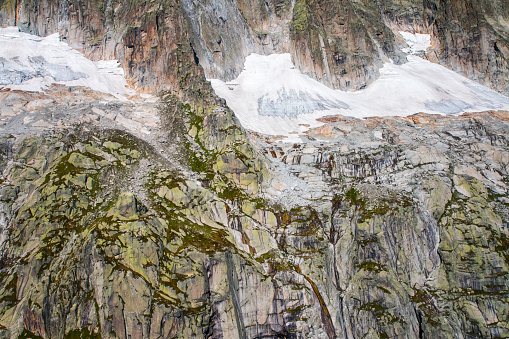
x=127, y=208
x=393, y=246
x=378, y=228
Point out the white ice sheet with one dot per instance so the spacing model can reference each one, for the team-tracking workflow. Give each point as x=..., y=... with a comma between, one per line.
x=32, y=63
x=271, y=96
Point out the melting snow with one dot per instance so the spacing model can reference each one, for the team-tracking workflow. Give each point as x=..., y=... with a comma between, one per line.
x=270, y=96
x=32, y=63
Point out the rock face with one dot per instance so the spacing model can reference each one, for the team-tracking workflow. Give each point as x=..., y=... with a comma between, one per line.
x=190, y=226
x=397, y=228
x=342, y=43
x=473, y=39
x=345, y=42
x=147, y=37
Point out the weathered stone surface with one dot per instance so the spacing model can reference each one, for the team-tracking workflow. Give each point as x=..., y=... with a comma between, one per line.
x=383, y=227
x=380, y=241
x=343, y=43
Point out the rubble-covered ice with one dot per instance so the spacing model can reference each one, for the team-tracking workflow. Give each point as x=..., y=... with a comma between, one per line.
x=32, y=63
x=271, y=96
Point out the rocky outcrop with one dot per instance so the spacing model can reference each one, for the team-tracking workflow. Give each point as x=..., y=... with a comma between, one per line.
x=344, y=45
x=194, y=227
x=148, y=38
x=474, y=40
x=386, y=227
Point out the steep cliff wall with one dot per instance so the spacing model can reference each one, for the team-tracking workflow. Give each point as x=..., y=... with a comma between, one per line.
x=474, y=40
x=342, y=43
x=375, y=228
x=397, y=228
x=148, y=38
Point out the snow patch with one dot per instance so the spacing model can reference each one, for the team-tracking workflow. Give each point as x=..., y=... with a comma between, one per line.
x=271, y=96
x=416, y=42
x=32, y=63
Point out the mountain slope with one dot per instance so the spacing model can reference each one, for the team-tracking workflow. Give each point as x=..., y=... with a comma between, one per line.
x=342, y=43
x=167, y=216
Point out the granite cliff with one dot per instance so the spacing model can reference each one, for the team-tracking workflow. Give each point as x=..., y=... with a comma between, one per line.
x=342, y=43
x=161, y=216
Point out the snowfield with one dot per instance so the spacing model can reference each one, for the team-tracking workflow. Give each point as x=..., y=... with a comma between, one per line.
x=271, y=96
x=32, y=63
x=416, y=42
